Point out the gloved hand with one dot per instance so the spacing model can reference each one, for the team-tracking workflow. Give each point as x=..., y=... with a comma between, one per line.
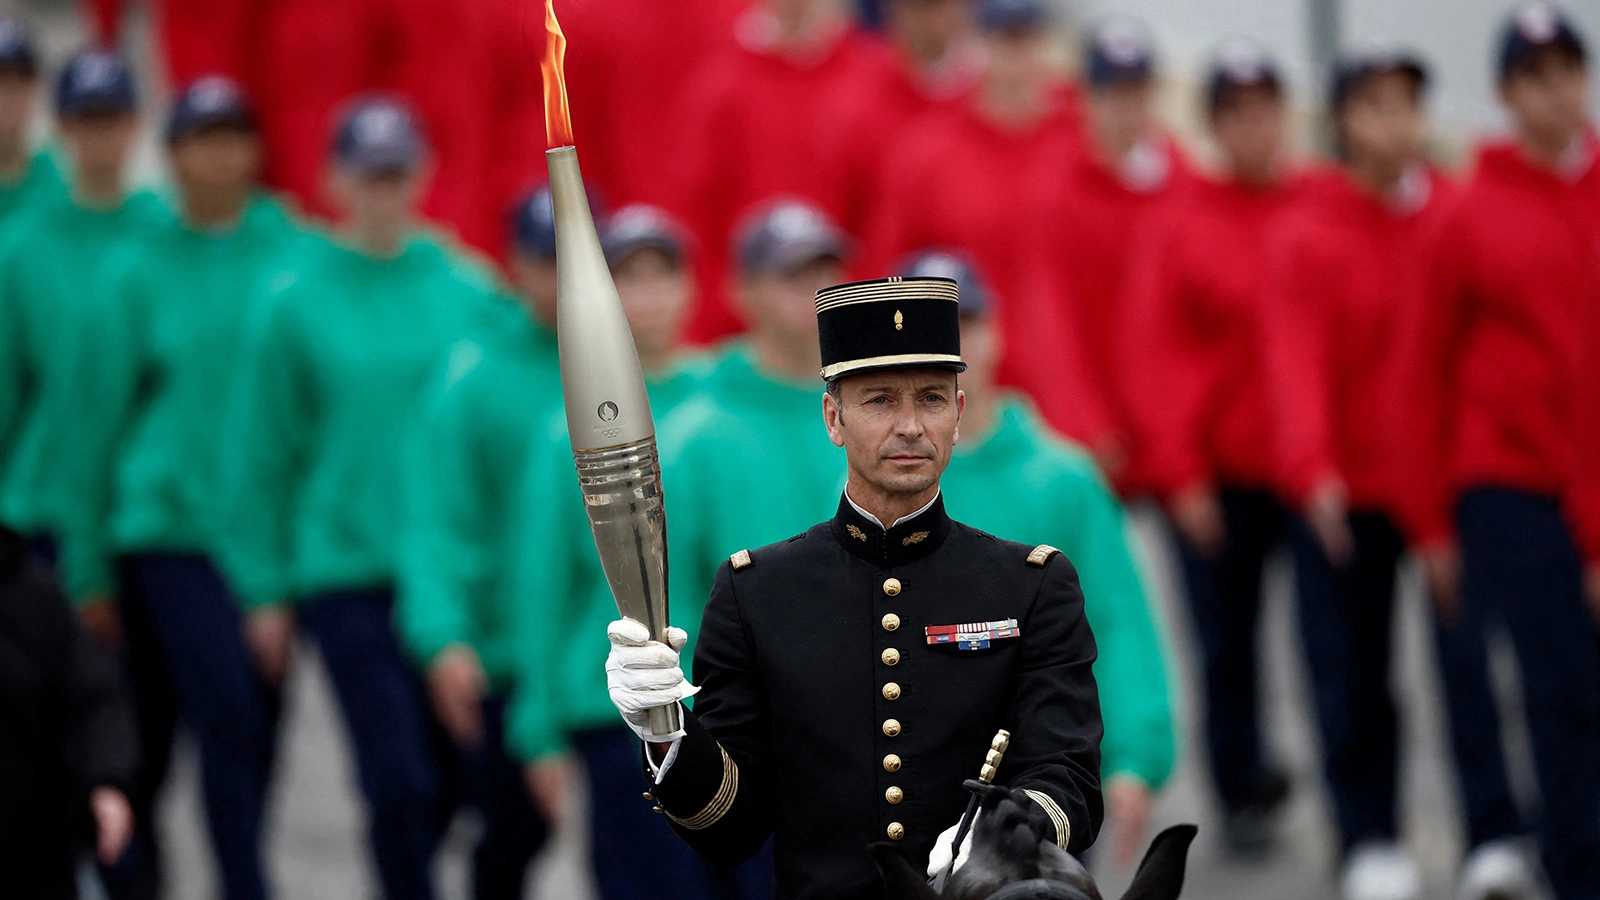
x=643, y=674
x=940, y=857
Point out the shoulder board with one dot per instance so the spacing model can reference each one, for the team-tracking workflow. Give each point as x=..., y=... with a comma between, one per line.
x=741, y=560
x=1041, y=555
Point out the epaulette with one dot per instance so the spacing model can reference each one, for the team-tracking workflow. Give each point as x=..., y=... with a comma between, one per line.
x=1041, y=555
x=741, y=560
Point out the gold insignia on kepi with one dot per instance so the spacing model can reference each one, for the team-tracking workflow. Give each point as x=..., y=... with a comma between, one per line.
x=1041, y=555
x=741, y=560
x=914, y=538
x=856, y=533
x=899, y=321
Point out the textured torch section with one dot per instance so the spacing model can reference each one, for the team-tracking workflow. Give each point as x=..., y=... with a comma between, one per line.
x=608, y=416
x=622, y=494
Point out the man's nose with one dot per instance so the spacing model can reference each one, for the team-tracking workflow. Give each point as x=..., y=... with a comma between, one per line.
x=909, y=422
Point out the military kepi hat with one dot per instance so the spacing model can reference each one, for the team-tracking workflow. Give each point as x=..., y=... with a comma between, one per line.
x=890, y=323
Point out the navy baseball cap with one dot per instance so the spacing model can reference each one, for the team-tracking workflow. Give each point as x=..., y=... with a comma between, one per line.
x=1238, y=65
x=533, y=222
x=1119, y=50
x=212, y=101
x=1354, y=68
x=379, y=135
x=17, y=50
x=974, y=292
x=95, y=81
x=1011, y=15
x=1533, y=28
x=785, y=235
x=640, y=226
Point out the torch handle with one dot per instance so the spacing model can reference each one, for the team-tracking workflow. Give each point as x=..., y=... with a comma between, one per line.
x=664, y=720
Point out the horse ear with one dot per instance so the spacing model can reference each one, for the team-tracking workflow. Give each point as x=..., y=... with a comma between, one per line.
x=901, y=880
x=1160, y=875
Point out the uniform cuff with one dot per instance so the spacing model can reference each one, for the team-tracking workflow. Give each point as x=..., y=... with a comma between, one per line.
x=699, y=781
x=1053, y=810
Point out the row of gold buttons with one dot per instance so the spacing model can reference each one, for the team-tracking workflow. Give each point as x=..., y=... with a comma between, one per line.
x=891, y=727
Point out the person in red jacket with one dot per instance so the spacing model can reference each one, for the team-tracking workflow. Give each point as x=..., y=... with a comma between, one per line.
x=1496, y=353
x=937, y=61
x=1087, y=208
x=1200, y=410
x=750, y=120
x=958, y=179
x=1344, y=268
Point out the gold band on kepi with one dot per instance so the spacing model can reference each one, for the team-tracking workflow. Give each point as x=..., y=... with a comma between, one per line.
x=890, y=323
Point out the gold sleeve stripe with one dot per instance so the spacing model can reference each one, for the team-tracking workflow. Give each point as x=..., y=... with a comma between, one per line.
x=1063, y=826
x=741, y=560
x=720, y=804
x=1041, y=555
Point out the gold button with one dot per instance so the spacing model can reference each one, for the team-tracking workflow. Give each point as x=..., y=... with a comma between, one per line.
x=896, y=831
x=892, y=587
x=894, y=795
x=891, y=691
x=891, y=622
x=649, y=796
x=891, y=656
x=891, y=763
x=891, y=727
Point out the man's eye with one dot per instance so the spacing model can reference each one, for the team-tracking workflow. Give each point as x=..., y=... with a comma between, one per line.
x=879, y=401
x=933, y=398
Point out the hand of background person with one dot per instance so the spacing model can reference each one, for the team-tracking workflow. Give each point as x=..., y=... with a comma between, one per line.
x=269, y=632
x=456, y=685
x=113, y=823
x=1197, y=513
x=1441, y=570
x=103, y=622
x=1128, y=802
x=551, y=782
x=1327, y=512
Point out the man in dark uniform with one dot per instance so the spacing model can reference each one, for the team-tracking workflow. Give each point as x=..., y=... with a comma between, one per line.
x=852, y=676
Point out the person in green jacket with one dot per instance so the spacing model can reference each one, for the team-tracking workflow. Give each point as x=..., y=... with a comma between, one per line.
x=27, y=176
x=335, y=357
x=154, y=381
x=1013, y=477
x=53, y=256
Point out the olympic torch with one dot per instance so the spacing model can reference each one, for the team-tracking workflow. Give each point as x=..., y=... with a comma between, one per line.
x=608, y=410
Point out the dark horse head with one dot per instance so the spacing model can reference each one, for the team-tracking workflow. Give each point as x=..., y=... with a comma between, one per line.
x=1007, y=862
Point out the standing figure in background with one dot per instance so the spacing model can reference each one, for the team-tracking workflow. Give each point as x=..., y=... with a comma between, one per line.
x=1013, y=478
x=154, y=379
x=751, y=122
x=53, y=261
x=958, y=178
x=936, y=63
x=1085, y=210
x=455, y=609
x=1496, y=358
x=1201, y=413
x=27, y=175
x=335, y=357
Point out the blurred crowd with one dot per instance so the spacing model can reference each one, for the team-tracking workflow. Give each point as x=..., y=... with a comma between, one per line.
x=308, y=391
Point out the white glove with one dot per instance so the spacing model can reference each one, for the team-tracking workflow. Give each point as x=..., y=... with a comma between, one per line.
x=643, y=674
x=940, y=857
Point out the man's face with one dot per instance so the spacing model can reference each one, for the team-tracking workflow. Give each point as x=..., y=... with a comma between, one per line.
x=17, y=99
x=655, y=289
x=99, y=142
x=1249, y=126
x=1382, y=118
x=1015, y=59
x=217, y=160
x=1121, y=113
x=384, y=196
x=928, y=27
x=980, y=350
x=535, y=281
x=785, y=305
x=1548, y=96
x=898, y=426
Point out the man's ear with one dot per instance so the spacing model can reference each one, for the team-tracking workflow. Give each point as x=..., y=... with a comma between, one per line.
x=961, y=407
x=831, y=418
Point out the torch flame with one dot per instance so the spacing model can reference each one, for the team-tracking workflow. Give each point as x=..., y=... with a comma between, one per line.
x=557, y=117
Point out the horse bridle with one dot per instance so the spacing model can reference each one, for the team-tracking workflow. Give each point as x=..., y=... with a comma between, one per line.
x=1039, y=889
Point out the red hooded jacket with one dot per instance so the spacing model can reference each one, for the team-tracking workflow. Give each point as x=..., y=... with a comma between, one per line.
x=1196, y=376
x=1495, y=350
x=958, y=181
x=1345, y=269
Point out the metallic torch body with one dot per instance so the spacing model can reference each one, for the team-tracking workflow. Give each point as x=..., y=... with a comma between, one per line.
x=608, y=416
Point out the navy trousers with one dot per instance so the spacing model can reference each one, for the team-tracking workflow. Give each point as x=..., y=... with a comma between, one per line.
x=513, y=828
x=1225, y=602
x=223, y=700
x=391, y=733
x=1521, y=568
x=636, y=854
